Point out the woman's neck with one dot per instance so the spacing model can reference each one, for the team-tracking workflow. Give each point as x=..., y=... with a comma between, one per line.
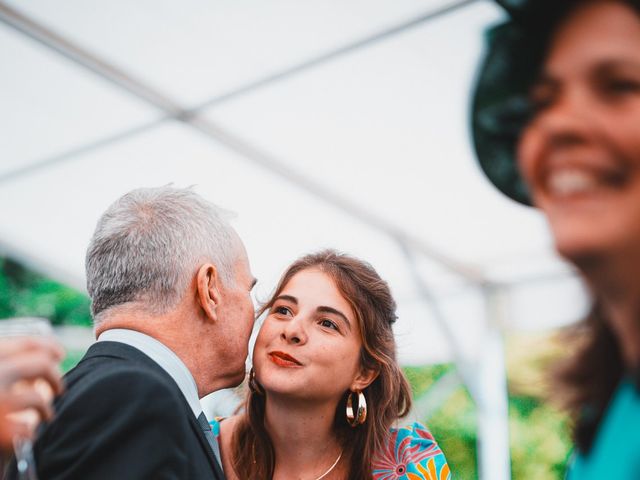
x=303, y=439
x=616, y=286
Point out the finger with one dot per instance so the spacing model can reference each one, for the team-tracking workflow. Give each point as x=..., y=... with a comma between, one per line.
x=10, y=347
x=24, y=400
x=30, y=366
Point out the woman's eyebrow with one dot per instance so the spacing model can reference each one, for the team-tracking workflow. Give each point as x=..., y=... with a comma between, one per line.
x=288, y=298
x=325, y=309
x=618, y=64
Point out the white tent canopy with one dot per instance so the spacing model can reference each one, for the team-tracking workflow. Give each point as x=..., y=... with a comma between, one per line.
x=322, y=123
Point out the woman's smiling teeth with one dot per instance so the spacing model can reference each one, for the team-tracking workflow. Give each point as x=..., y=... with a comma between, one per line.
x=564, y=182
x=567, y=182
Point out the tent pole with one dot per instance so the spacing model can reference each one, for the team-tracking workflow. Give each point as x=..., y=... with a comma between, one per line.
x=492, y=399
x=463, y=366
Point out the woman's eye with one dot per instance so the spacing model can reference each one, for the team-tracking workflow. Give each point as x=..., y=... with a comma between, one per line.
x=540, y=98
x=282, y=310
x=622, y=86
x=328, y=324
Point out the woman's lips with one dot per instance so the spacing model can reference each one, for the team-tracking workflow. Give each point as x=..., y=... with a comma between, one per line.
x=284, y=359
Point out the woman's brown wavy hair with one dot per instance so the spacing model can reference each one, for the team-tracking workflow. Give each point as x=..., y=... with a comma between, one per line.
x=588, y=379
x=388, y=397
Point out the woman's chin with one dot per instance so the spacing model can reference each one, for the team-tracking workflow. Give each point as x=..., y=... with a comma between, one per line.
x=580, y=237
x=581, y=252
x=592, y=254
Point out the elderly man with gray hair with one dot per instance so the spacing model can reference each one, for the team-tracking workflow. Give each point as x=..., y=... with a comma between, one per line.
x=170, y=286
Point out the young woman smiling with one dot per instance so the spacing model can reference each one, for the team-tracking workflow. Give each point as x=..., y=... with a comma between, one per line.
x=577, y=142
x=325, y=388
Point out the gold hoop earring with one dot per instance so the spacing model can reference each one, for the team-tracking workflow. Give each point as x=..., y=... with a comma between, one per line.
x=358, y=418
x=254, y=386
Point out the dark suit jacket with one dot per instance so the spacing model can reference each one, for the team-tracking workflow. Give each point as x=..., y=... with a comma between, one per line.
x=122, y=417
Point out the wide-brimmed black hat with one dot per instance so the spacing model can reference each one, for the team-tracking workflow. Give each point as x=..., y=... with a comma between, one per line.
x=500, y=105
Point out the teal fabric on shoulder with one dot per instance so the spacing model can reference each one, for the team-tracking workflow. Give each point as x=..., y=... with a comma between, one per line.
x=616, y=449
x=215, y=426
x=411, y=454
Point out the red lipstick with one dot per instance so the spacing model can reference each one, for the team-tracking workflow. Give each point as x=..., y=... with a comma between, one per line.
x=284, y=359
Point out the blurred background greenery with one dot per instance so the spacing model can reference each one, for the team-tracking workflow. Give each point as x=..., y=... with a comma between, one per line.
x=539, y=433
x=25, y=293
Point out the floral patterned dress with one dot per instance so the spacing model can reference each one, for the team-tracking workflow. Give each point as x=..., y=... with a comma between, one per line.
x=412, y=454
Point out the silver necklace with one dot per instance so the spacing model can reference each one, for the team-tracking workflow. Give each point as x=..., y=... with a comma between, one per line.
x=330, y=468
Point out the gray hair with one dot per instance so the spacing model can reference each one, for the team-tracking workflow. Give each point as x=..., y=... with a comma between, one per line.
x=148, y=245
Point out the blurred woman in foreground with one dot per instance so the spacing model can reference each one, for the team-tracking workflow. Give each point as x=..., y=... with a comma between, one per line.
x=560, y=91
x=326, y=388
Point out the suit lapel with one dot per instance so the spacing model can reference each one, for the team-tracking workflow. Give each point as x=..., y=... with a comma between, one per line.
x=193, y=421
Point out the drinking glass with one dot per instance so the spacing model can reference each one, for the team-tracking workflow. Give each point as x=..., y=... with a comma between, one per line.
x=22, y=446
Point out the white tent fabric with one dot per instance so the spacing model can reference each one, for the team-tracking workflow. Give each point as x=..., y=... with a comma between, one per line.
x=322, y=123
x=382, y=128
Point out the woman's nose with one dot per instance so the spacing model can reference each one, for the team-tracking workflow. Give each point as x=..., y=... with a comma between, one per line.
x=567, y=121
x=294, y=331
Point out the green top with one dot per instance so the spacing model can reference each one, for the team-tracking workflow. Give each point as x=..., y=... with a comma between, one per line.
x=615, y=452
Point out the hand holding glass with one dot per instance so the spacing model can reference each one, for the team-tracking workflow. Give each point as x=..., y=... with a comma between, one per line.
x=29, y=377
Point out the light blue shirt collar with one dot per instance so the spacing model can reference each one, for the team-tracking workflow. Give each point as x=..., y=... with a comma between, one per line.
x=163, y=356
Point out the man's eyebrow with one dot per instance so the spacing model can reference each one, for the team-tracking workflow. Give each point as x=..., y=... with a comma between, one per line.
x=324, y=309
x=288, y=298
x=253, y=284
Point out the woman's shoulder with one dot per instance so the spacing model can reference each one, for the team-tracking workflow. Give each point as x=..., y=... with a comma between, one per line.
x=412, y=451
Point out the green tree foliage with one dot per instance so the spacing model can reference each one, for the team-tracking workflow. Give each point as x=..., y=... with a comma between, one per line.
x=538, y=432
x=540, y=441
x=26, y=293
x=454, y=423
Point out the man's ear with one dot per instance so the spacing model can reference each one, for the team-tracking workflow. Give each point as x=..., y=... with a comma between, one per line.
x=208, y=290
x=364, y=378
